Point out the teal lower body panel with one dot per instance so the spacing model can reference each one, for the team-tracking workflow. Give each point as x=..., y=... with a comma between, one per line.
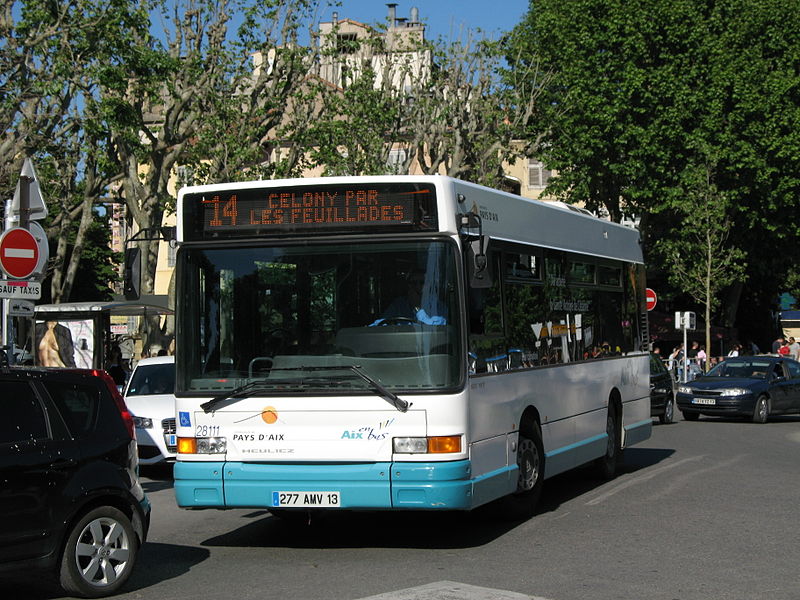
x=199, y=484
x=569, y=457
x=638, y=432
x=363, y=486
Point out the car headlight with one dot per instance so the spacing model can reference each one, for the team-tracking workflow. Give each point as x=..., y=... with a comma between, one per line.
x=685, y=389
x=734, y=392
x=143, y=422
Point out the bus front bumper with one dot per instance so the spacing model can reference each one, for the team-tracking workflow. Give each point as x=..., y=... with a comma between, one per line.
x=371, y=486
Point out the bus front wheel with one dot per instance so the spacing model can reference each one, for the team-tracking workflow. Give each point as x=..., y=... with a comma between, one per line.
x=521, y=504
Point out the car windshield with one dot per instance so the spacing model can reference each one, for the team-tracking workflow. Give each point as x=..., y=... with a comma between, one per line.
x=297, y=318
x=148, y=380
x=753, y=369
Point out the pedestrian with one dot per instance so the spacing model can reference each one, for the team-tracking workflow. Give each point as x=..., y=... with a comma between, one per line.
x=676, y=361
x=783, y=350
x=691, y=354
x=776, y=345
x=734, y=351
x=701, y=358
x=794, y=349
x=116, y=367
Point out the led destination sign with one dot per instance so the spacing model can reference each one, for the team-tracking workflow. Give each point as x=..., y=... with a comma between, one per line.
x=332, y=208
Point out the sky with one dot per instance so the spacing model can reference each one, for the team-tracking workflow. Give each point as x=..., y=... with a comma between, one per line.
x=444, y=18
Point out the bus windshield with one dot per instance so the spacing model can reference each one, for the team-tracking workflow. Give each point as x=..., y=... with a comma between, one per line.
x=296, y=318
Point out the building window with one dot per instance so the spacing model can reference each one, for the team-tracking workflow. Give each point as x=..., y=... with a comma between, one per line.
x=538, y=176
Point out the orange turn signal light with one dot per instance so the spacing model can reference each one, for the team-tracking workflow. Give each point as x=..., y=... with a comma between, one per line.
x=442, y=444
x=187, y=445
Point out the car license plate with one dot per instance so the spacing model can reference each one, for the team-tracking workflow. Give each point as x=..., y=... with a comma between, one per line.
x=171, y=439
x=306, y=499
x=703, y=401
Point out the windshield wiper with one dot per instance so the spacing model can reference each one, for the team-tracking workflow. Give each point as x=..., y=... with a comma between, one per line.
x=390, y=397
x=250, y=388
x=243, y=391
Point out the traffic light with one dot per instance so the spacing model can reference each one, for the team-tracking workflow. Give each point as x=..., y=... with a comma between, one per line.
x=132, y=283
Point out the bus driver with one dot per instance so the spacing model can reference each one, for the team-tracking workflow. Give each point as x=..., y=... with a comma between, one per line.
x=414, y=305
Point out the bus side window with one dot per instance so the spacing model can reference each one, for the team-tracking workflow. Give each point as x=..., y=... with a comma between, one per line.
x=486, y=338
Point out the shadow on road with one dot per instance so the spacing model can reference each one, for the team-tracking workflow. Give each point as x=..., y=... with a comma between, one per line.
x=566, y=487
x=421, y=530
x=156, y=477
x=426, y=530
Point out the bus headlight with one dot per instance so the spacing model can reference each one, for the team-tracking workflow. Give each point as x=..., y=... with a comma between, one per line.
x=207, y=445
x=440, y=444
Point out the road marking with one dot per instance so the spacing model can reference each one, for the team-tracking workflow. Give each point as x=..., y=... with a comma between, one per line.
x=640, y=479
x=451, y=590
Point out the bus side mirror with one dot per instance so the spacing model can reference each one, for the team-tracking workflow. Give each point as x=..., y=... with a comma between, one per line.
x=480, y=275
x=132, y=282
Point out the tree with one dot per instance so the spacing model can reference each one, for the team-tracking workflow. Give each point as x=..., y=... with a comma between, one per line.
x=51, y=57
x=704, y=262
x=643, y=89
x=442, y=106
x=166, y=106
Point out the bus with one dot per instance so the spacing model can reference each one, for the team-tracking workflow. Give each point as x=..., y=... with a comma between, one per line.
x=400, y=343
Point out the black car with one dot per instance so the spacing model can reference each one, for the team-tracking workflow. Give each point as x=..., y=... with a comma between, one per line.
x=662, y=391
x=754, y=387
x=70, y=499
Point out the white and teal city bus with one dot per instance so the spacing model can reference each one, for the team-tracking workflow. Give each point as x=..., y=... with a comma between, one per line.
x=400, y=342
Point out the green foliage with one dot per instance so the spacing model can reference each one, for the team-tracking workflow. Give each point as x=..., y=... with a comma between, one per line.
x=644, y=91
x=98, y=265
x=360, y=124
x=700, y=252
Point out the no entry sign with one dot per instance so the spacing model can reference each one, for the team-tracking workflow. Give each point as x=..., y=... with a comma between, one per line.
x=651, y=298
x=19, y=253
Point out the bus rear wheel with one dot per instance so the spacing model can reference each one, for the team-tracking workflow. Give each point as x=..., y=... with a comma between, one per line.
x=521, y=504
x=606, y=465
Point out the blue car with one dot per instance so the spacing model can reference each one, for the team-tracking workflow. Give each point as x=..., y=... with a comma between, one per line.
x=753, y=387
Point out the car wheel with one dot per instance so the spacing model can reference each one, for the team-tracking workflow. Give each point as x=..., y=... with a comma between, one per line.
x=530, y=459
x=761, y=411
x=691, y=416
x=606, y=465
x=669, y=411
x=100, y=553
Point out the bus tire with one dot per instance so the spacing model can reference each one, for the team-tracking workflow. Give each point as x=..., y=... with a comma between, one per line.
x=606, y=465
x=522, y=503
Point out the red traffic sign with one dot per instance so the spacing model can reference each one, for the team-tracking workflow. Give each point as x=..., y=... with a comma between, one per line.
x=19, y=253
x=651, y=298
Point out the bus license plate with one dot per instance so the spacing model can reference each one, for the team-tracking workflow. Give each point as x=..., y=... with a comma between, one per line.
x=171, y=439
x=703, y=401
x=306, y=499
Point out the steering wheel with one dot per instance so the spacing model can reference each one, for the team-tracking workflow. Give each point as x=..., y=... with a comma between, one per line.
x=398, y=321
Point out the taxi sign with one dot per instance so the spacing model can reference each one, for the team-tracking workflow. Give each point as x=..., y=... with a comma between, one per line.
x=24, y=290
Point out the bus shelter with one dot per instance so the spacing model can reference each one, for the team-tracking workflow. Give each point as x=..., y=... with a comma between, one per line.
x=79, y=334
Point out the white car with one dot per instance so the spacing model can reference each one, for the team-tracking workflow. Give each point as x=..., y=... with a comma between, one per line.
x=150, y=396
